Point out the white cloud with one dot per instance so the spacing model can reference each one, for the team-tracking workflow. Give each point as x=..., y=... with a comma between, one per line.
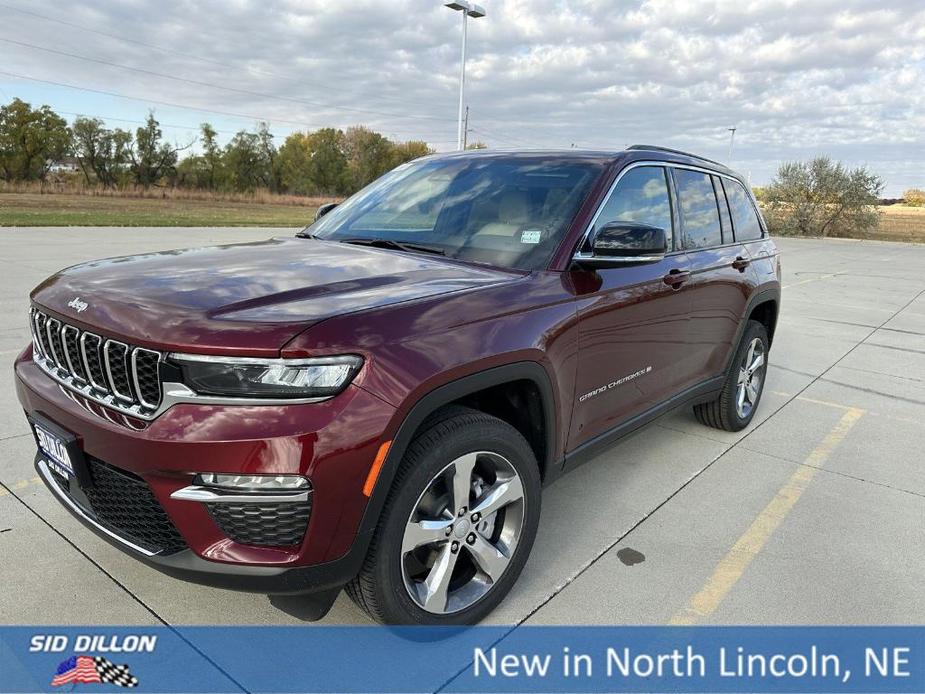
x=796, y=78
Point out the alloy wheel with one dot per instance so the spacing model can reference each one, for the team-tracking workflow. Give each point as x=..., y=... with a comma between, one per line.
x=462, y=533
x=751, y=377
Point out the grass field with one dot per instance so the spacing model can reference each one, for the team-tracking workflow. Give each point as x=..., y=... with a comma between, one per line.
x=901, y=223
x=33, y=209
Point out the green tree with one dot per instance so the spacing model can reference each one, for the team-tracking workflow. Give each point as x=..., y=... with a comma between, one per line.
x=369, y=155
x=294, y=164
x=211, y=157
x=152, y=159
x=406, y=151
x=328, y=169
x=31, y=140
x=268, y=154
x=822, y=197
x=101, y=153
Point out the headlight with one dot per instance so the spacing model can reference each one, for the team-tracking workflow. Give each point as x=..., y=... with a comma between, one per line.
x=318, y=377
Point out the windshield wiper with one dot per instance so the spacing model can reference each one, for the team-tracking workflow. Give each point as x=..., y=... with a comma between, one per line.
x=395, y=245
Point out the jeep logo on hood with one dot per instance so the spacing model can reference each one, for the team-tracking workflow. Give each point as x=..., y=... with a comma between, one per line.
x=77, y=304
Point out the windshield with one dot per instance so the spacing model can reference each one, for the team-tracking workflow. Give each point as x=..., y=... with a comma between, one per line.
x=510, y=211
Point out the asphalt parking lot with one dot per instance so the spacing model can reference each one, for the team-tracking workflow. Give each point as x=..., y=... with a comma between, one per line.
x=814, y=514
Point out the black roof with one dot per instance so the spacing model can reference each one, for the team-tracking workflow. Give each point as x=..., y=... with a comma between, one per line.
x=631, y=153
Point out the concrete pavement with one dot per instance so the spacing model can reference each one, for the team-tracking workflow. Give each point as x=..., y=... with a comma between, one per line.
x=815, y=514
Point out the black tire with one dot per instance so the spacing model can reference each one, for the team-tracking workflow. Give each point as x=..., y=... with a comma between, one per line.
x=722, y=412
x=379, y=588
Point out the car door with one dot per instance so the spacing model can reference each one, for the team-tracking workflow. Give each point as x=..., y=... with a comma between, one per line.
x=719, y=283
x=632, y=319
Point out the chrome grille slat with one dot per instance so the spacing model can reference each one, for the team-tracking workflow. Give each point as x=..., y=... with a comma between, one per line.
x=114, y=357
x=40, y=320
x=36, y=342
x=53, y=331
x=72, y=352
x=113, y=373
x=142, y=365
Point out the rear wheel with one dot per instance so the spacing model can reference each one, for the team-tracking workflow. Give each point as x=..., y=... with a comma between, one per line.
x=458, y=526
x=741, y=393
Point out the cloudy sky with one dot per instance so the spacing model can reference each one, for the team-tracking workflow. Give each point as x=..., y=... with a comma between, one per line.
x=795, y=77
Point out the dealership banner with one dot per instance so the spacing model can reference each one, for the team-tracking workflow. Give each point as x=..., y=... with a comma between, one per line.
x=477, y=659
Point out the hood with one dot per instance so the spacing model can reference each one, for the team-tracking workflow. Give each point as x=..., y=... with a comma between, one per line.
x=247, y=298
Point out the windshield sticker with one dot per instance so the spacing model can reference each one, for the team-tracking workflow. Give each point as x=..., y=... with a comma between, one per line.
x=530, y=236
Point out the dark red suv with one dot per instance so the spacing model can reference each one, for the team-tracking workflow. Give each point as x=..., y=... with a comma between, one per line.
x=376, y=402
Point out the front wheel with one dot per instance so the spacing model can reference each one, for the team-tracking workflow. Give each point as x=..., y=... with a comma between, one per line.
x=458, y=526
x=737, y=402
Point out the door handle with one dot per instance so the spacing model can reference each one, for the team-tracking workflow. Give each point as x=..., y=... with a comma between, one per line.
x=675, y=278
x=740, y=263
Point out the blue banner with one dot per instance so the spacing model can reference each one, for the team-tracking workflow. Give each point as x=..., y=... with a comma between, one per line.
x=478, y=659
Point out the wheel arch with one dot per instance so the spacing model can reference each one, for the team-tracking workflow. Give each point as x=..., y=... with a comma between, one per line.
x=461, y=391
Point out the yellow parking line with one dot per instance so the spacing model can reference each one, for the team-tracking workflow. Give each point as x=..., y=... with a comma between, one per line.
x=827, y=403
x=20, y=485
x=731, y=567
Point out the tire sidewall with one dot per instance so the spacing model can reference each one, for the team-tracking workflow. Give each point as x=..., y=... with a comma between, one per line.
x=486, y=434
x=752, y=330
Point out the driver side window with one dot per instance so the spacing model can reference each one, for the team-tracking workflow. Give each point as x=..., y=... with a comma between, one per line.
x=640, y=196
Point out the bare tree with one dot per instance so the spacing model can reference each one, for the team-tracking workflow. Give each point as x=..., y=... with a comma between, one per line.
x=822, y=197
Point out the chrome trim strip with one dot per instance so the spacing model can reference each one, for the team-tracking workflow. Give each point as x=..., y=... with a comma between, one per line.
x=67, y=353
x=51, y=341
x=212, y=495
x=138, y=392
x=83, y=352
x=65, y=499
x=112, y=381
x=180, y=392
x=262, y=361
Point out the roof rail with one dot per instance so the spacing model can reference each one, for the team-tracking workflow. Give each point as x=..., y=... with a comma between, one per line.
x=656, y=148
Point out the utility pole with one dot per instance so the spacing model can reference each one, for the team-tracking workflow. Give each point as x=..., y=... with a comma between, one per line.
x=732, y=134
x=466, y=129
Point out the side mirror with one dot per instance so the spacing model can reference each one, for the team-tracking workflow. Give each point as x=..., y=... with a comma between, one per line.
x=617, y=243
x=324, y=209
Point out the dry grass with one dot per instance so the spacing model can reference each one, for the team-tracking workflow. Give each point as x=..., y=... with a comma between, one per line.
x=79, y=187
x=50, y=209
x=901, y=223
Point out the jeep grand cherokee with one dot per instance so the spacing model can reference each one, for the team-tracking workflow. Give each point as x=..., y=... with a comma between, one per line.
x=376, y=402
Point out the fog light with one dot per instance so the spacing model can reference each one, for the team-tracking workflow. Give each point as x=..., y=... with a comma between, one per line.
x=253, y=483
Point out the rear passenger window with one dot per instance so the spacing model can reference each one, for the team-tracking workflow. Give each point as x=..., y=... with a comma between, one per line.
x=640, y=196
x=744, y=217
x=699, y=214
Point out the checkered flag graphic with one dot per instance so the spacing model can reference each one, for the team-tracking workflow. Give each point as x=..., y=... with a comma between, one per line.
x=115, y=674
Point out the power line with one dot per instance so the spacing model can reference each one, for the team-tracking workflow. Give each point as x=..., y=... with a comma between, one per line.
x=170, y=104
x=191, y=56
x=200, y=83
x=181, y=127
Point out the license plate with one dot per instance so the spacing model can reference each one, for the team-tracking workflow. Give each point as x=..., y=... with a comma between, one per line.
x=60, y=449
x=55, y=451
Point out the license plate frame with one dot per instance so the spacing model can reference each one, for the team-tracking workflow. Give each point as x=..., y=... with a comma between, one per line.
x=60, y=449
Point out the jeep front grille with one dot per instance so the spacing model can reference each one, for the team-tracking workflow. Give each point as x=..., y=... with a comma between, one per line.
x=120, y=376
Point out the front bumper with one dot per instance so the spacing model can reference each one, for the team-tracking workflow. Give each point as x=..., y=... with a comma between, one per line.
x=331, y=443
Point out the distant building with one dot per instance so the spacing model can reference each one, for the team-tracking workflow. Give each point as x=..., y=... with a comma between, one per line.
x=65, y=165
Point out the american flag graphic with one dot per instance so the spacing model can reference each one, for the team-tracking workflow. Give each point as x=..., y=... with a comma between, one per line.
x=85, y=669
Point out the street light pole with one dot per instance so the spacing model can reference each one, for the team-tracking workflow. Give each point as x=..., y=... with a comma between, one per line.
x=732, y=134
x=467, y=10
